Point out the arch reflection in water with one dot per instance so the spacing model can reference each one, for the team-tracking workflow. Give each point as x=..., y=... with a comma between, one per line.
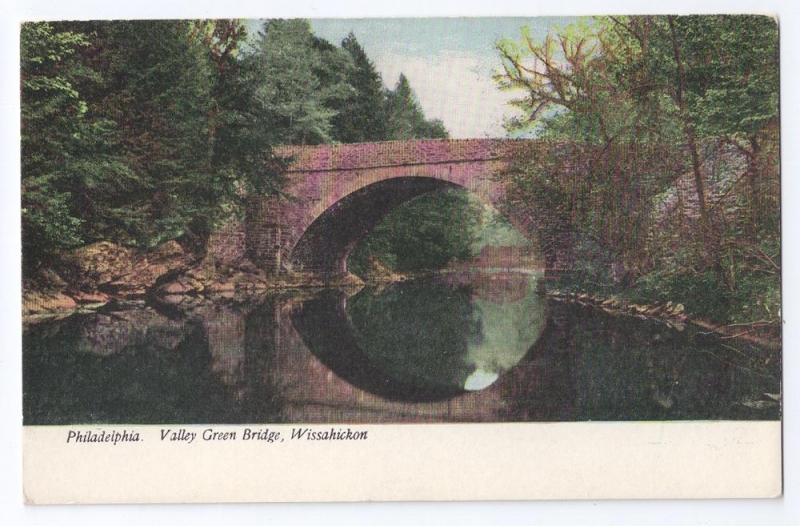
x=427, y=339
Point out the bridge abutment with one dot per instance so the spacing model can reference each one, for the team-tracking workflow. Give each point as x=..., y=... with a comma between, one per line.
x=263, y=233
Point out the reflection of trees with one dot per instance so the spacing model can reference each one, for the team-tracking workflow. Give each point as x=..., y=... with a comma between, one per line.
x=223, y=364
x=423, y=339
x=497, y=287
x=153, y=370
x=143, y=382
x=419, y=333
x=591, y=366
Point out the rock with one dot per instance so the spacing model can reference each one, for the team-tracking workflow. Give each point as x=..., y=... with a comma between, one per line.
x=175, y=287
x=196, y=274
x=260, y=284
x=89, y=297
x=167, y=258
x=350, y=280
x=677, y=325
x=678, y=309
x=193, y=285
x=228, y=294
x=173, y=299
x=248, y=266
x=97, y=264
x=377, y=271
x=168, y=251
x=220, y=288
x=191, y=301
x=126, y=290
x=49, y=279
x=655, y=311
x=46, y=302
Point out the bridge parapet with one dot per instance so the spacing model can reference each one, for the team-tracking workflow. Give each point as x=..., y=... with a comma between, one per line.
x=341, y=157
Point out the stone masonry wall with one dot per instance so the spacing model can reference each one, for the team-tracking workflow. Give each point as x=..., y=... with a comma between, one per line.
x=320, y=177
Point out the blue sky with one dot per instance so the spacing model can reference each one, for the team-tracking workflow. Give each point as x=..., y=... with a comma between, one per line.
x=448, y=61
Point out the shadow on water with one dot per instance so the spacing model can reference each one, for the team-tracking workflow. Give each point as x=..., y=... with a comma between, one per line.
x=458, y=347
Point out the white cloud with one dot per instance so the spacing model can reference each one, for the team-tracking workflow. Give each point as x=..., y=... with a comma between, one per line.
x=454, y=87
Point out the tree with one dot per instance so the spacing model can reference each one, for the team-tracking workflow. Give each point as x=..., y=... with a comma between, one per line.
x=363, y=115
x=157, y=84
x=136, y=132
x=426, y=233
x=334, y=70
x=53, y=115
x=584, y=87
x=289, y=92
x=635, y=104
x=405, y=119
x=242, y=137
x=732, y=85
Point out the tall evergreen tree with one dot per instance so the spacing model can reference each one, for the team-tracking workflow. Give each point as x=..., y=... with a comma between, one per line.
x=157, y=89
x=242, y=154
x=363, y=114
x=53, y=116
x=334, y=70
x=289, y=91
x=405, y=119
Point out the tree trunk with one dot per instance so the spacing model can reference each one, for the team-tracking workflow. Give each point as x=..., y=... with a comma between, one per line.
x=711, y=253
x=753, y=183
x=688, y=128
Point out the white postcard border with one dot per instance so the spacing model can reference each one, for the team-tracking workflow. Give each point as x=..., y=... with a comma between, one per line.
x=410, y=462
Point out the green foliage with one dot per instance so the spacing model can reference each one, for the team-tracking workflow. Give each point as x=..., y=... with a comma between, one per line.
x=135, y=132
x=405, y=117
x=242, y=154
x=289, y=91
x=335, y=71
x=755, y=298
x=424, y=234
x=156, y=87
x=362, y=113
x=732, y=72
x=641, y=101
x=53, y=117
x=142, y=131
x=418, y=334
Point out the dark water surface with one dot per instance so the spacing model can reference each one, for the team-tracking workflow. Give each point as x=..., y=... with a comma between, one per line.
x=458, y=347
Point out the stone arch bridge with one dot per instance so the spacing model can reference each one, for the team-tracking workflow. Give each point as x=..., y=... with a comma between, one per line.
x=336, y=194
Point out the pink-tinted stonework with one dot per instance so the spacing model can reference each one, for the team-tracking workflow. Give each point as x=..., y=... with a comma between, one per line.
x=336, y=193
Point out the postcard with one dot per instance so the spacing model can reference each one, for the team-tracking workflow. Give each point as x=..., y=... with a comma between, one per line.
x=363, y=259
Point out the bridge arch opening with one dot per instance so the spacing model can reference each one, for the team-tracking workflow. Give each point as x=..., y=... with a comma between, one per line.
x=324, y=246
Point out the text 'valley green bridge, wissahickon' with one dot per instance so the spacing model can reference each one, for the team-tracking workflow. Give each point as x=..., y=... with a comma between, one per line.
x=336, y=194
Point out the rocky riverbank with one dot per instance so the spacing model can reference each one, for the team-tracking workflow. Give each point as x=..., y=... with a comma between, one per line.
x=675, y=316
x=95, y=275
x=172, y=276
